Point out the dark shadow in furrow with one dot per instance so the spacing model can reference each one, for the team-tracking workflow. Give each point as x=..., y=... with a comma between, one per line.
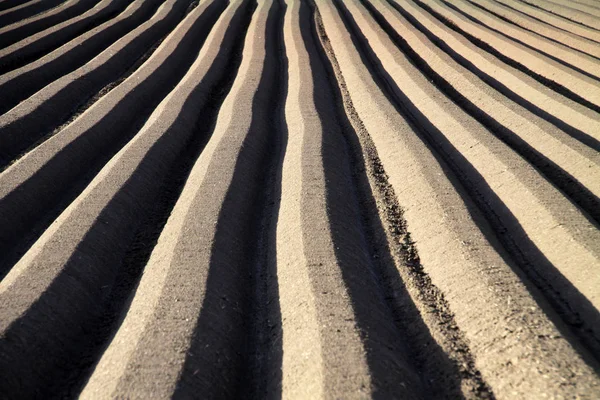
x=6, y=4
x=26, y=12
x=596, y=7
x=492, y=82
x=86, y=326
x=78, y=95
x=528, y=46
x=577, y=192
x=81, y=107
x=26, y=84
x=56, y=39
x=442, y=376
x=263, y=374
x=387, y=350
x=507, y=60
x=140, y=249
x=385, y=346
x=573, y=315
x=560, y=16
x=511, y=22
x=569, y=6
x=27, y=29
x=587, y=5
x=580, y=11
x=543, y=22
x=73, y=168
x=227, y=343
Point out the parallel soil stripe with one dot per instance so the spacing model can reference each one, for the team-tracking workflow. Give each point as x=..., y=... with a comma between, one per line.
x=561, y=240
x=26, y=10
x=338, y=325
x=574, y=158
x=553, y=20
x=44, y=111
x=590, y=10
x=302, y=365
x=590, y=3
x=562, y=53
x=41, y=43
x=23, y=267
x=13, y=33
x=23, y=82
x=456, y=254
x=300, y=199
x=96, y=135
x=575, y=82
x=180, y=268
x=537, y=26
x=7, y=4
x=567, y=12
x=99, y=225
x=339, y=269
x=578, y=116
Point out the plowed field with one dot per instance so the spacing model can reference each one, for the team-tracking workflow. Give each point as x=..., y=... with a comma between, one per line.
x=300, y=199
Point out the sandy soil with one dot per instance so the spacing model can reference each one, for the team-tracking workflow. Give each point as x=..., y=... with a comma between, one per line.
x=300, y=199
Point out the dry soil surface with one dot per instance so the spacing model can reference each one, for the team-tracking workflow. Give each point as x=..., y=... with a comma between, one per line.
x=300, y=199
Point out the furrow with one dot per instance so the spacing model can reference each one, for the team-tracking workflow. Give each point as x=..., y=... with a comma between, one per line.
x=198, y=284
x=591, y=11
x=300, y=199
x=44, y=42
x=263, y=373
x=338, y=311
x=553, y=20
x=566, y=12
x=12, y=33
x=457, y=248
x=536, y=26
x=590, y=3
x=572, y=167
x=581, y=86
x=26, y=10
x=67, y=298
x=23, y=82
x=570, y=58
x=38, y=116
x=422, y=315
x=93, y=138
x=573, y=118
x=546, y=242
x=6, y=4
x=302, y=369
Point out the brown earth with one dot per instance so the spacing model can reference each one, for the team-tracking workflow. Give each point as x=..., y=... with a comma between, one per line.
x=300, y=199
